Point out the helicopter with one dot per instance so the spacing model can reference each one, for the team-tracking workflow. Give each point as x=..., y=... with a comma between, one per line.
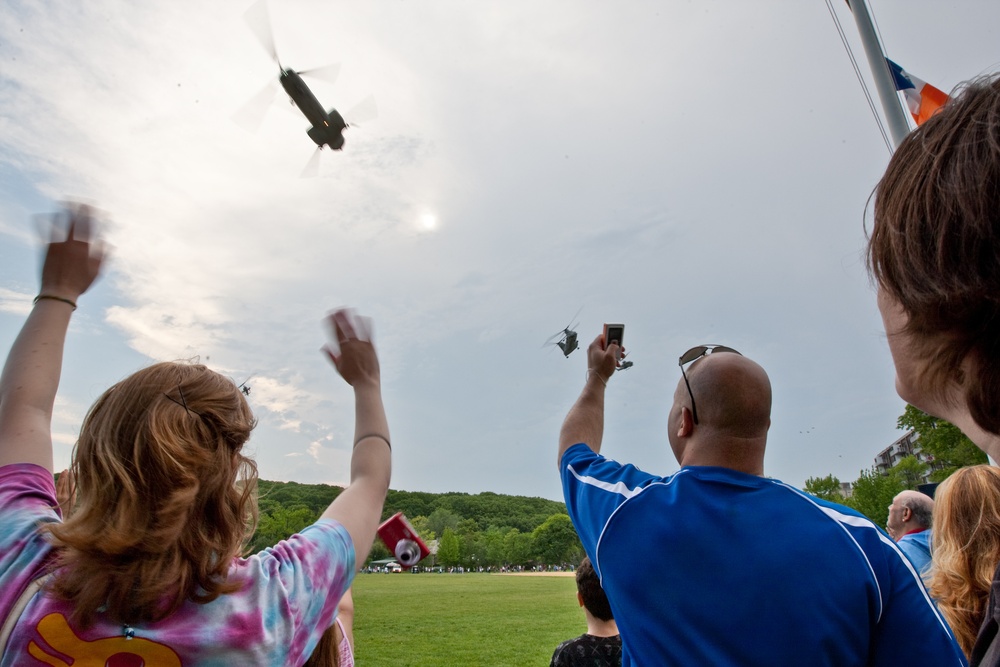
x=326, y=126
x=625, y=365
x=568, y=342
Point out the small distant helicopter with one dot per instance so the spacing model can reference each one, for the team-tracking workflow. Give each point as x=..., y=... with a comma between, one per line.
x=625, y=365
x=568, y=342
x=326, y=127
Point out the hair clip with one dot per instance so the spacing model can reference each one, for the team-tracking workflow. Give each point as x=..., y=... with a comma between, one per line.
x=182, y=402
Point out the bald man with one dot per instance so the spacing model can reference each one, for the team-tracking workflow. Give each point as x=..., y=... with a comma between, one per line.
x=717, y=564
x=909, y=524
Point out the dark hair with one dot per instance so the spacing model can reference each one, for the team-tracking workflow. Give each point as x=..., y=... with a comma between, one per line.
x=935, y=244
x=589, y=586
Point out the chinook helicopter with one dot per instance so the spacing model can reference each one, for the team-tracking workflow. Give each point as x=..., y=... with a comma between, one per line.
x=326, y=126
x=568, y=342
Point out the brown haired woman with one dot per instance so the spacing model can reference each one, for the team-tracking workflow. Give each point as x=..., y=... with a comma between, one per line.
x=934, y=253
x=147, y=569
x=966, y=547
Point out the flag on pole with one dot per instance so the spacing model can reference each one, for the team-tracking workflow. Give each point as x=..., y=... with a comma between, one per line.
x=922, y=98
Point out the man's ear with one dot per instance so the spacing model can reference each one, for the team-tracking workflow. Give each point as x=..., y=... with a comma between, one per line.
x=907, y=514
x=579, y=598
x=685, y=425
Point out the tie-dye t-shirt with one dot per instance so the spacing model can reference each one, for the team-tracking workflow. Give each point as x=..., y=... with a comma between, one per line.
x=289, y=599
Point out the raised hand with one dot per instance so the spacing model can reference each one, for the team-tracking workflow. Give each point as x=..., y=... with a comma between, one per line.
x=354, y=355
x=602, y=360
x=72, y=265
x=30, y=376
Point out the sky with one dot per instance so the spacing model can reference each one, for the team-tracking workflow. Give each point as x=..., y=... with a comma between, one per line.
x=699, y=171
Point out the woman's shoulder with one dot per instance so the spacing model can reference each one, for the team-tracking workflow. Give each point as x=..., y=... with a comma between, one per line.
x=318, y=558
x=325, y=540
x=26, y=484
x=27, y=499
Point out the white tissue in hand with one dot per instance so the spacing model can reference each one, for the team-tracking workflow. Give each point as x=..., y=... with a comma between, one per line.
x=360, y=325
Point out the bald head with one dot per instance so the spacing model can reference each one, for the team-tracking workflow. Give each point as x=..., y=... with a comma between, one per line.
x=733, y=394
x=733, y=397
x=909, y=511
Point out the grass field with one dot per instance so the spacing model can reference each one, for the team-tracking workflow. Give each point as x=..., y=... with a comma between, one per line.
x=467, y=620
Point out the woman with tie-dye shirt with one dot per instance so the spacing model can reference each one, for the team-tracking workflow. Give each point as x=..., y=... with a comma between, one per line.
x=147, y=569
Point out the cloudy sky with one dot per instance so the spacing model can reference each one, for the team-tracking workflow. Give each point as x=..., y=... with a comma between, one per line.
x=696, y=170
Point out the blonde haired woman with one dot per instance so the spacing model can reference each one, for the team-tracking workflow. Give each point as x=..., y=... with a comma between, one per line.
x=966, y=548
x=147, y=568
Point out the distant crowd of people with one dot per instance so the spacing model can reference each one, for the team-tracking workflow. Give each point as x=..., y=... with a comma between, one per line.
x=460, y=569
x=137, y=553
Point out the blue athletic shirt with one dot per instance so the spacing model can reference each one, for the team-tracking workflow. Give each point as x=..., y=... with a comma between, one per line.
x=710, y=566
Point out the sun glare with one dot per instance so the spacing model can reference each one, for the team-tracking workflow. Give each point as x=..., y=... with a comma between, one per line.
x=427, y=222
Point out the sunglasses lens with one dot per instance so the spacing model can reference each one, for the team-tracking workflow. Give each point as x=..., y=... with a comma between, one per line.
x=693, y=354
x=702, y=350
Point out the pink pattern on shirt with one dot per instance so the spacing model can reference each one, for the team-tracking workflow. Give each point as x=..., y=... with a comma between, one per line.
x=289, y=598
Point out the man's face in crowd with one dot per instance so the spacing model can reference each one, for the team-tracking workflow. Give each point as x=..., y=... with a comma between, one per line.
x=894, y=526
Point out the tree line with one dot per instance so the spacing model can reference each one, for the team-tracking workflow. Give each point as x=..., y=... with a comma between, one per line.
x=496, y=530
x=469, y=530
x=872, y=492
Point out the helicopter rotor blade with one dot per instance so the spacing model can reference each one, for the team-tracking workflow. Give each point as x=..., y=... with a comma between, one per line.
x=312, y=167
x=251, y=114
x=362, y=112
x=573, y=327
x=256, y=17
x=327, y=73
x=551, y=339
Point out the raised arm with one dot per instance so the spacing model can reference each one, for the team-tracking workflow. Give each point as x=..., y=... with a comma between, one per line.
x=359, y=507
x=585, y=421
x=31, y=374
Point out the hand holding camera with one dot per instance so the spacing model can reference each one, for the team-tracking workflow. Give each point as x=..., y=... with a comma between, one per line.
x=403, y=541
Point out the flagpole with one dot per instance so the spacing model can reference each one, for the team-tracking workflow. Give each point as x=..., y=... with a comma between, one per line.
x=895, y=116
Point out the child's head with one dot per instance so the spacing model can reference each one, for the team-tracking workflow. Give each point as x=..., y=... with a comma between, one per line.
x=590, y=593
x=165, y=494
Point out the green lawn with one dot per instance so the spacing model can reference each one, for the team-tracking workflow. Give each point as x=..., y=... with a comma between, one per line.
x=431, y=620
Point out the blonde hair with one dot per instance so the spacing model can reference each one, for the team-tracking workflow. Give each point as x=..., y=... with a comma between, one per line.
x=165, y=496
x=966, y=548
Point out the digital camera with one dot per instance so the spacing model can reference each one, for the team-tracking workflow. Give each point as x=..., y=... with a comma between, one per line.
x=403, y=541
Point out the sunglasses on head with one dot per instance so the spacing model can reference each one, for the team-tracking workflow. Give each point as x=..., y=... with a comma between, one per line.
x=694, y=354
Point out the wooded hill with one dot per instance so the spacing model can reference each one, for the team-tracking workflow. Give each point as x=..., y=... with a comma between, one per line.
x=484, y=529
